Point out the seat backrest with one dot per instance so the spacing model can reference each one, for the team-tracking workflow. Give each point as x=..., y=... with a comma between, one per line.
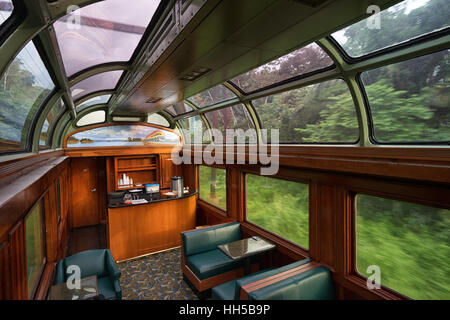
x=264, y=274
x=91, y=262
x=206, y=239
x=314, y=284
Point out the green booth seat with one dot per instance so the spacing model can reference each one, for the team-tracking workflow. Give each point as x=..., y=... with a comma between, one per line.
x=203, y=257
x=94, y=262
x=231, y=290
x=314, y=284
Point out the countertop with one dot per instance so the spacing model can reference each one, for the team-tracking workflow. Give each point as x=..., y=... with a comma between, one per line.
x=121, y=204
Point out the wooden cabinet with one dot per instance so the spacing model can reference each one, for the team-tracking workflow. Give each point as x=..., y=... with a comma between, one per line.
x=142, y=169
x=168, y=170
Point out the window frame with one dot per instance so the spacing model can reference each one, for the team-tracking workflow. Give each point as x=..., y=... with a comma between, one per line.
x=17, y=16
x=41, y=202
x=88, y=111
x=303, y=251
x=221, y=211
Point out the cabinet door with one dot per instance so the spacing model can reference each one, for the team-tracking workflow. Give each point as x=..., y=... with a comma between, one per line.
x=168, y=170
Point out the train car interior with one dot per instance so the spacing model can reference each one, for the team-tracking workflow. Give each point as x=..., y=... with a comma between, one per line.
x=226, y=150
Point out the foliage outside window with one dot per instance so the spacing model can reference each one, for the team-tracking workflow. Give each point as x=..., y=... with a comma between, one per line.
x=212, y=96
x=319, y=113
x=24, y=86
x=195, y=129
x=408, y=242
x=404, y=21
x=213, y=186
x=410, y=101
x=299, y=62
x=50, y=122
x=279, y=206
x=35, y=247
x=234, y=117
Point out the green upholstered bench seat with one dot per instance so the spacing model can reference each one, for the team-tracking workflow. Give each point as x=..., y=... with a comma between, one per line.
x=211, y=263
x=231, y=289
x=314, y=284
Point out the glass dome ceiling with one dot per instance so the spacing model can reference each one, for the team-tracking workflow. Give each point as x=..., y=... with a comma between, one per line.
x=99, y=82
x=93, y=101
x=109, y=31
x=6, y=9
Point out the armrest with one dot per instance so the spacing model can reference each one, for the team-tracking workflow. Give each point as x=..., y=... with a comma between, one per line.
x=251, y=287
x=117, y=288
x=111, y=266
x=59, y=272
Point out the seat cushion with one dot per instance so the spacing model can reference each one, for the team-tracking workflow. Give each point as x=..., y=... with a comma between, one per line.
x=314, y=284
x=211, y=263
x=106, y=288
x=207, y=239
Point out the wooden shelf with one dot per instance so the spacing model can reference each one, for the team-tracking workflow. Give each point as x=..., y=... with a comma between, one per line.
x=142, y=169
x=136, y=169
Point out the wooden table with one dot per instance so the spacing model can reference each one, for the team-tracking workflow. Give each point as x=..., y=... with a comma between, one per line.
x=245, y=249
x=88, y=290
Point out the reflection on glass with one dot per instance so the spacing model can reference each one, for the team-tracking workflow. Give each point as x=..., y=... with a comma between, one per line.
x=93, y=101
x=35, y=247
x=319, y=113
x=122, y=135
x=158, y=120
x=212, y=96
x=234, y=117
x=213, y=186
x=24, y=85
x=195, y=132
x=6, y=9
x=99, y=82
x=102, y=32
x=410, y=100
x=92, y=118
x=279, y=206
x=404, y=21
x=50, y=122
x=406, y=241
x=299, y=62
x=179, y=108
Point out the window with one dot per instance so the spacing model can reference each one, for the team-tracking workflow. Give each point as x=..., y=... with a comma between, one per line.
x=195, y=130
x=107, y=31
x=279, y=206
x=178, y=109
x=92, y=118
x=6, y=9
x=213, y=186
x=25, y=84
x=122, y=135
x=408, y=242
x=158, y=120
x=93, y=101
x=402, y=22
x=99, y=82
x=319, y=113
x=299, y=62
x=409, y=100
x=35, y=247
x=234, y=117
x=50, y=122
x=212, y=96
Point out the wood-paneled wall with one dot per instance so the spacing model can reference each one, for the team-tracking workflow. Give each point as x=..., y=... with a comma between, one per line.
x=335, y=176
x=28, y=181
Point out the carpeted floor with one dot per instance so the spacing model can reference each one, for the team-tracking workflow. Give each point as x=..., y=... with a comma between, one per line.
x=155, y=277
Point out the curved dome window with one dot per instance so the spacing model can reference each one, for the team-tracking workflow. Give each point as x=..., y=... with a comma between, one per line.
x=106, y=31
x=404, y=21
x=99, y=82
x=158, y=120
x=212, y=96
x=25, y=84
x=6, y=9
x=93, y=101
x=178, y=109
x=92, y=118
x=50, y=121
x=122, y=135
x=297, y=63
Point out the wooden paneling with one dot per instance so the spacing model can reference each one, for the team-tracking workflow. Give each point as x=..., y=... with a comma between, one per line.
x=138, y=230
x=5, y=272
x=86, y=192
x=168, y=170
x=17, y=255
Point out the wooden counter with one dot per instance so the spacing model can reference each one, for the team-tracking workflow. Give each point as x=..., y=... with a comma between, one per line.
x=142, y=229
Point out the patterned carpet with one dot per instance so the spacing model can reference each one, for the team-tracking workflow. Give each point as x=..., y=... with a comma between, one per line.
x=155, y=277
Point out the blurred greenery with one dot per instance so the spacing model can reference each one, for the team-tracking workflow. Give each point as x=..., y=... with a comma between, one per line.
x=213, y=186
